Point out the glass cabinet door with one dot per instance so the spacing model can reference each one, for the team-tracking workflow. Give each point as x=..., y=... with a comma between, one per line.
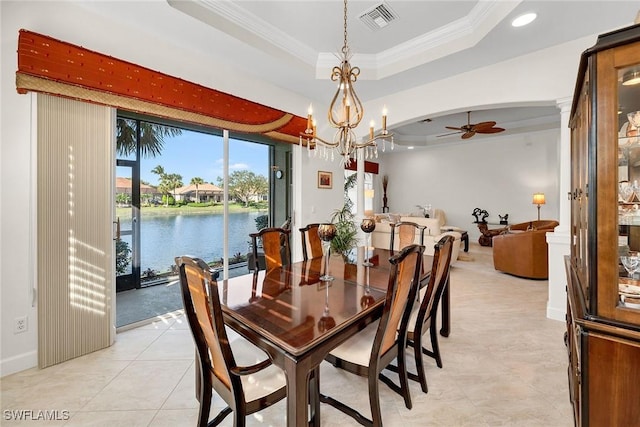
x=626, y=303
x=578, y=196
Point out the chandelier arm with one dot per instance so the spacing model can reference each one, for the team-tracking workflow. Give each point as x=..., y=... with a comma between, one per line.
x=359, y=109
x=384, y=136
x=317, y=140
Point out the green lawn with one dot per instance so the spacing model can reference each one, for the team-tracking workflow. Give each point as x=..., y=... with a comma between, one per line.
x=188, y=210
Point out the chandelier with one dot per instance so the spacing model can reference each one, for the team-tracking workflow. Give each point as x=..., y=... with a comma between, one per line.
x=345, y=113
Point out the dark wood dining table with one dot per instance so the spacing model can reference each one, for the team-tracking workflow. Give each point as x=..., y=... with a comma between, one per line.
x=298, y=319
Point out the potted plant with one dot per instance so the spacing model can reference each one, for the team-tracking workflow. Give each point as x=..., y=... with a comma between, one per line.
x=346, y=232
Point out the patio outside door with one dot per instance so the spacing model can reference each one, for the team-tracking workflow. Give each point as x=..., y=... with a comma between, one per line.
x=128, y=220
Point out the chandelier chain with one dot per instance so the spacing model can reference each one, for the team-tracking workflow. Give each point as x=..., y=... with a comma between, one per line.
x=344, y=46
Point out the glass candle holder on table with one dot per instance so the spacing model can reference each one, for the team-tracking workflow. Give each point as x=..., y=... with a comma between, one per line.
x=367, y=225
x=326, y=233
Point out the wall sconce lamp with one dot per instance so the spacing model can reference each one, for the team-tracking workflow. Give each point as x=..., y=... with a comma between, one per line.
x=538, y=199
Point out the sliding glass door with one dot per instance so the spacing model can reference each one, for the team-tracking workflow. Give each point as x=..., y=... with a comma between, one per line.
x=170, y=203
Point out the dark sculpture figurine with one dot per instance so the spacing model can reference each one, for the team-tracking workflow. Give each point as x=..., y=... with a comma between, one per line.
x=477, y=212
x=504, y=220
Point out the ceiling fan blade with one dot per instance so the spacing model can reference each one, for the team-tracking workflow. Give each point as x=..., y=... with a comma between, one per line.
x=483, y=125
x=447, y=134
x=490, y=130
x=468, y=134
x=454, y=128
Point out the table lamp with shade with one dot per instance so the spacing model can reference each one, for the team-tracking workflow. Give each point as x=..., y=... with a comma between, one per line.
x=538, y=199
x=369, y=193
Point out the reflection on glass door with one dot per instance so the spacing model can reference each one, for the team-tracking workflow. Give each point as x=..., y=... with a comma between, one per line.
x=128, y=234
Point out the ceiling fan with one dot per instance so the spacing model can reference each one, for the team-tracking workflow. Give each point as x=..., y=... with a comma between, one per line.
x=470, y=129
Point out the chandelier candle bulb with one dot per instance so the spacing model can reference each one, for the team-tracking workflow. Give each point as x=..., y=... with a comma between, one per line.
x=384, y=120
x=309, y=117
x=347, y=111
x=371, y=126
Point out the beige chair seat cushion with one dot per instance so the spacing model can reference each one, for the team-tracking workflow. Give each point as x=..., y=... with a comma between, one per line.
x=261, y=383
x=357, y=349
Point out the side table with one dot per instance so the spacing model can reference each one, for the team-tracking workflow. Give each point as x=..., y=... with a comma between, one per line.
x=464, y=237
x=486, y=239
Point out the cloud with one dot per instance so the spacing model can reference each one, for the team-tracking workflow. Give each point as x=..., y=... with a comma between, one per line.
x=236, y=166
x=239, y=166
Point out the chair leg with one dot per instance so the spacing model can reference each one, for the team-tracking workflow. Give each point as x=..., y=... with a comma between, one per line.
x=434, y=345
x=205, y=405
x=417, y=351
x=404, y=379
x=239, y=419
x=374, y=401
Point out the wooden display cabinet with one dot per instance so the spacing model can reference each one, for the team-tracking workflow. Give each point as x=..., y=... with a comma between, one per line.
x=603, y=319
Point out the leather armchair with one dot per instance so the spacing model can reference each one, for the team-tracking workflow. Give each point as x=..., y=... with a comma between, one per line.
x=523, y=251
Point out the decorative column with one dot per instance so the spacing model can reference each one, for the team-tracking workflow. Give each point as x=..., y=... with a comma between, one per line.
x=559, y=240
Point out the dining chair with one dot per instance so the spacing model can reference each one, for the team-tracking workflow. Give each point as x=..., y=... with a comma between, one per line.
x=406, y=232
x=239, y=372
x=275, y=245
x=423, y=316
x=371, y=350
x=311, y=243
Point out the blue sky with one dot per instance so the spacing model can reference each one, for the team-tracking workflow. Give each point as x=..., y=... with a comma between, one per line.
x=194, y=154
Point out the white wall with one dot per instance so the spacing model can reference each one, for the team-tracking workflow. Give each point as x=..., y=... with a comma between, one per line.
x=543, y=76
x=498, y=174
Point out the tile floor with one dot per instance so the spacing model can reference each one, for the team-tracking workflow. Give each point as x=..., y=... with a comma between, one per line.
x=505, y=364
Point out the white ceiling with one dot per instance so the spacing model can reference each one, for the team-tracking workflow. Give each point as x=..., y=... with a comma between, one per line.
x=293, y=44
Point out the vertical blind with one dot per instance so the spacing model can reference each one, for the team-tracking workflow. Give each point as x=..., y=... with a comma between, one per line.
x=75, y=267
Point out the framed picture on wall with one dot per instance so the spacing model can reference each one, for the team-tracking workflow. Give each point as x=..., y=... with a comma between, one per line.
x=325, y=179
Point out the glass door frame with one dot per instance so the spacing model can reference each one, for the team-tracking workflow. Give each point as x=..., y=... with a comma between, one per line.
x=132, y=281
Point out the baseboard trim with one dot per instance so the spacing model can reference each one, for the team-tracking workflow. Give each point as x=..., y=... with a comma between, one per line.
x=556, y=314
x=18, y=363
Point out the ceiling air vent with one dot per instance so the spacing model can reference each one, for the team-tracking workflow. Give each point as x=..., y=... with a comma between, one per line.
x=378, y=16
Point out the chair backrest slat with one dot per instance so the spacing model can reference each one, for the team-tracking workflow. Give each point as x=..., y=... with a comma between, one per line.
x=311, y=243
x=204, y=314
x=437, y=279
x=276, y=247
x=401, y=291
x=406, y=232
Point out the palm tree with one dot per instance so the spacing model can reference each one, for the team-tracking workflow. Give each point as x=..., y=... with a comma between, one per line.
x=197, y=181
x=163, y=188
x=158, y=170
x=174, y=181
x=151, y=137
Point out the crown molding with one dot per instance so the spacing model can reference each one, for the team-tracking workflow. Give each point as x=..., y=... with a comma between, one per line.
x=234, y=20
x=460, y=34
x=463, y=33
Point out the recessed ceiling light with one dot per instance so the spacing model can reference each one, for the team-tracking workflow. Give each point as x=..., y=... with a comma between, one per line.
x=410, y=147
x=523, y=20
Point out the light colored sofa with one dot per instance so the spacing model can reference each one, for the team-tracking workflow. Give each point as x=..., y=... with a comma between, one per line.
x=381, y=236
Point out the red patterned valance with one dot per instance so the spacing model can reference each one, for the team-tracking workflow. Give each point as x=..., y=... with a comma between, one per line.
x=369, y=167
x=60, y=68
